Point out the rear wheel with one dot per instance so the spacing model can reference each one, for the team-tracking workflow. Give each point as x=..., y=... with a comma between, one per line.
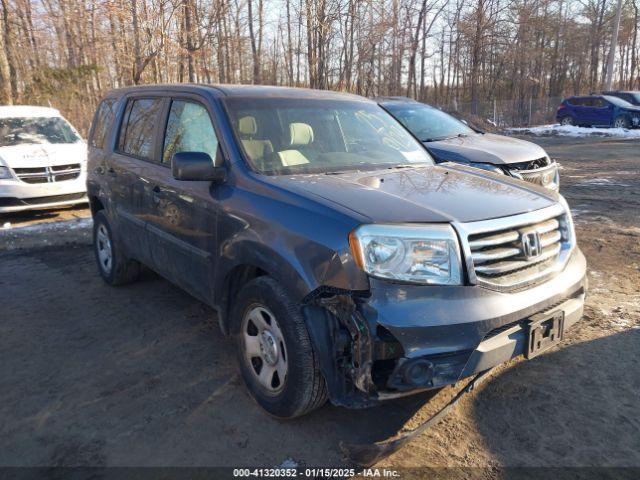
x=621, y=122
x=566, y=121
x=274, y=350
x=114, y=267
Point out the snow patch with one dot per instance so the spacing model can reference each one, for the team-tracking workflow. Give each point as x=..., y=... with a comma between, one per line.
x=76, y=224
x=574, y=131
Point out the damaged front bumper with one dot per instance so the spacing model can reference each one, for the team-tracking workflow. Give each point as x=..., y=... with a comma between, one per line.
x=399, y=339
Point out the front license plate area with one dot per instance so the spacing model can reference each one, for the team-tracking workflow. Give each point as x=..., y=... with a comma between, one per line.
x=543, y=332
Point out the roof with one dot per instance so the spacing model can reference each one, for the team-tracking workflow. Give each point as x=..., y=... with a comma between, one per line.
x=244, y=91
x=13, y=111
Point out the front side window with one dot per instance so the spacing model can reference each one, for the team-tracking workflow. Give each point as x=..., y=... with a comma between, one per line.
x=189, y=129
x=286, y=135
x=36, y=131
x=428, y=124
x=139, y=123
x=104, y=118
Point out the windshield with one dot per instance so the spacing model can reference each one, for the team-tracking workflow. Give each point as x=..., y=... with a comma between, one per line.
x=38, y=130
x=427, y=123
x=285, y=136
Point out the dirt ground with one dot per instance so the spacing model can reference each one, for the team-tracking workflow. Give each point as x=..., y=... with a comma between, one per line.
x=141, y=376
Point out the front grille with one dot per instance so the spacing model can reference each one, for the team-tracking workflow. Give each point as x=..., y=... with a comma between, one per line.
x=519, y=255
x=543, y=174
x=531, y=164
x=59, y=173
x=545, y=177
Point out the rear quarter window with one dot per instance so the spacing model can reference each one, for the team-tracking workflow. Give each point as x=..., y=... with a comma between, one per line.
x=102, y=123
x=136, y=137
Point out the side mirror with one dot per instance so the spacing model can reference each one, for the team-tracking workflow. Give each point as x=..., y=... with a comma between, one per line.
x=197, y=166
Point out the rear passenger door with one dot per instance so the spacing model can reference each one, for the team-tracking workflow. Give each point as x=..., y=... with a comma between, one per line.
x=129, y=168
x=182, y=225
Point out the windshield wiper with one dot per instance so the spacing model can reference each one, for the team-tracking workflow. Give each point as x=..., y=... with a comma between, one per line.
x=438, y=139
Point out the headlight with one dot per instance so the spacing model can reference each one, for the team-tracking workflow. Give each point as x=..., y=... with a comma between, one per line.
x=567, y=230
x=5, y=173
x=426, y=254
x=487, y=166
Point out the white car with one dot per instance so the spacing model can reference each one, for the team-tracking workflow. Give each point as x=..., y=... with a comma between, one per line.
x=42, y=160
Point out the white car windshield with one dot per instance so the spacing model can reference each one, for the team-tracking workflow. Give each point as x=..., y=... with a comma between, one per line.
x=36, y=130
x=287, y=136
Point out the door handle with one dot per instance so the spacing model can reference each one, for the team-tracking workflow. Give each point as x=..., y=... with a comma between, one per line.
x=155, y=193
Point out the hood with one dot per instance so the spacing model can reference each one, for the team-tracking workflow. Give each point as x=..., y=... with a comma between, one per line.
x=485, y=148
x=43, y=155
x=422, y=194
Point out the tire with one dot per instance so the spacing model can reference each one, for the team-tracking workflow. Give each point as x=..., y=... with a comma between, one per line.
x=114, y=267
x=566, y=121
x=264, y=310
x=621, y=122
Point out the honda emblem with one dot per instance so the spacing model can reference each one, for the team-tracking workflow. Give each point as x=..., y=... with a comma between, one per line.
x=531, y=244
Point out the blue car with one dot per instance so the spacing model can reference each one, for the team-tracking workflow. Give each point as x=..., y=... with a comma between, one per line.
x=598, y=111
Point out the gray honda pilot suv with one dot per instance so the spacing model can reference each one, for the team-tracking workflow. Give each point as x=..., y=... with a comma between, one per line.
x=340, y=259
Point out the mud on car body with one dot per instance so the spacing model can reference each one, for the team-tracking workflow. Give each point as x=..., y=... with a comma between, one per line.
x=340, y=259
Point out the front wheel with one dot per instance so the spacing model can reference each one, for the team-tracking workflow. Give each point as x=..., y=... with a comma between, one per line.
x=566, y=121
x=621, y=122
x=274, y=350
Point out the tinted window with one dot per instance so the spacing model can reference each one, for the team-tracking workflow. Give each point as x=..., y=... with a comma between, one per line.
x=580, y=102
x=102, y=122
x=136, y=132
x=189, y=129
x=599, y=102
x=36, y=130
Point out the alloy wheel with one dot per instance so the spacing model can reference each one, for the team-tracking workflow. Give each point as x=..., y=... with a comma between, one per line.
x=620, y=123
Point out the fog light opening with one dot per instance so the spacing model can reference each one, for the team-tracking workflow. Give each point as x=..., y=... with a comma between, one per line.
x=418, y=372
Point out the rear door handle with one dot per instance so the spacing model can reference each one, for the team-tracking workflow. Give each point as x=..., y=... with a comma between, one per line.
x=156, y=191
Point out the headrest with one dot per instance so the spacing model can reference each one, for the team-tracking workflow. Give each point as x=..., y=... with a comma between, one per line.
x=300, y=134
x=247, y=125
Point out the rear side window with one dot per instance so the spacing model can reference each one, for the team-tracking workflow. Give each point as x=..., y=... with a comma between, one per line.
x=579, y=102
x=138, y=126
x=189, y=129
x=102, y=122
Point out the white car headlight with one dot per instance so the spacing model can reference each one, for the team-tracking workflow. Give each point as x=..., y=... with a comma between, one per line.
x=5, y=173
x=426, y=254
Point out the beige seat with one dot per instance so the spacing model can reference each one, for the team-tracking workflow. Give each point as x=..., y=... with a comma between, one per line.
x=256, y=149
x=300, y=134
